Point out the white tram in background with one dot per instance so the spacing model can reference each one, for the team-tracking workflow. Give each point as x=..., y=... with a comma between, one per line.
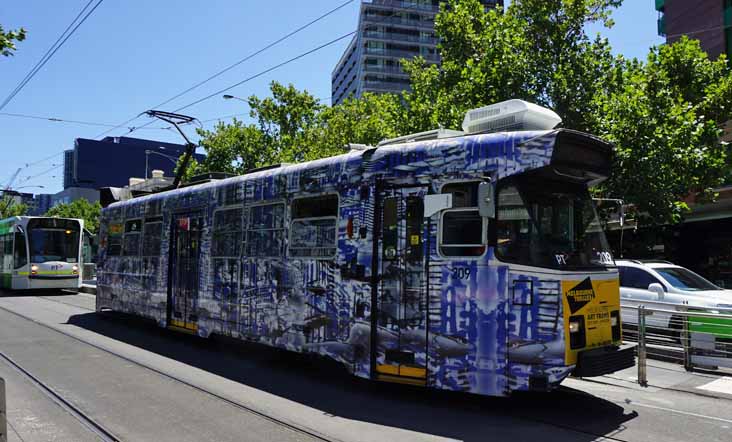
x=40, y=253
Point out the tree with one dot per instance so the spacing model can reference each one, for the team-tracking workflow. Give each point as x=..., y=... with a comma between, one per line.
x=285, y=124
x=81, y=209
x=536, y=50
x=367, y=120
x=10, y=207
x=7, y=39
x=665, y=119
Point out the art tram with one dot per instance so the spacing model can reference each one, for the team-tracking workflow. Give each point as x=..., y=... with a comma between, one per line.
x=40, y=253
x=470, y=261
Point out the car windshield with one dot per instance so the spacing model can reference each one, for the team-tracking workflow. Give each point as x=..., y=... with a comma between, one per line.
x=549, y=223
x=685, y=279
x=54, y=245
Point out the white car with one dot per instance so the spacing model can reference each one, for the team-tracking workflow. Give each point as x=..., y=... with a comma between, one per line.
x=650, y=283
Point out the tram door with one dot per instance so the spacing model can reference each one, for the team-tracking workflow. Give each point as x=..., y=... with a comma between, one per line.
x=401, y=300
x=185, y=258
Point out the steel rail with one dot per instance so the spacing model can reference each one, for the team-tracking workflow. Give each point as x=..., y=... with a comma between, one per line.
x=282, y=422
x=293, y=426
x=87, y=421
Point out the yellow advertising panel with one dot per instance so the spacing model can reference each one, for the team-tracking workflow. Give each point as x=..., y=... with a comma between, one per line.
x=592, y=300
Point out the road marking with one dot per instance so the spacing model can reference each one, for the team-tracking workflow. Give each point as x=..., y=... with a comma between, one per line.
x=673, y=410
x=721, y=385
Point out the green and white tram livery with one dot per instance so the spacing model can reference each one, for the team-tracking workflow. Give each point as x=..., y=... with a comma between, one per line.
x=40, y=253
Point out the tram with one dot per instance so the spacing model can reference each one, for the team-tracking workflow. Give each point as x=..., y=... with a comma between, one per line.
x=40, y=252
x=468, y=261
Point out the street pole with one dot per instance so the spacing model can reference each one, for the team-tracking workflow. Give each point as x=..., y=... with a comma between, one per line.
x=147, y=156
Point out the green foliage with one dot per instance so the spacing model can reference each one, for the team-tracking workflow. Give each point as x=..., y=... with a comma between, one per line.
x=81, y=209
x=665, y=120
x=293, y=126
x=8, y=39
x=9, y=207
x=663, y=114
x=536, y=50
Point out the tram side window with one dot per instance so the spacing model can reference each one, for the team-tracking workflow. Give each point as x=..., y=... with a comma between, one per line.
x=227, y=233
x=313, y=227
x=152, y=237
x=19, y=255
x=6, y=242
x=114, y=241
x=265, y=230
x=463, y=230
x=132, y=237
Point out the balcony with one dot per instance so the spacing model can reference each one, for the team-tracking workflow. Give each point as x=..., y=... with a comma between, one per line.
x=395, y=70
x=660, y=5
x=396, y=53
x=662, y=25
x=385, y=86
x=375, y=19
x=404, y=4
x=396, y=37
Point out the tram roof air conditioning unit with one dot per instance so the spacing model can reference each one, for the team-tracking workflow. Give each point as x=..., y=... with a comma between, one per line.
x=508, y=116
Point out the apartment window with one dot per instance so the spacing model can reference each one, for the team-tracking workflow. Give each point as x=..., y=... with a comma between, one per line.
x=314, y=226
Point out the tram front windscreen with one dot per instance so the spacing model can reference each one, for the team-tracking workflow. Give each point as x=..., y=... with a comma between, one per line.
x=549, y=223
x=53, y=240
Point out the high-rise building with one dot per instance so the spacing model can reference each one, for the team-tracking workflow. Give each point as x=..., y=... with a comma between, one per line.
x=68, y=168
x=709, y=21
x=388, y=31
x=111, y=162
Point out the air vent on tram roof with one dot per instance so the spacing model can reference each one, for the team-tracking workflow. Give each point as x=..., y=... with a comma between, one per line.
x=511, y=115
x=434, y=134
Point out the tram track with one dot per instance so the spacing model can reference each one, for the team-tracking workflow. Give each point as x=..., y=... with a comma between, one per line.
x=282, y=422
x=278, y=421
x=83, y=418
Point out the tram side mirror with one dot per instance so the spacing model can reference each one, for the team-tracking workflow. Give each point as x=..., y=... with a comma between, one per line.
x=436, y=203
x=486, y=205
x=657, y=289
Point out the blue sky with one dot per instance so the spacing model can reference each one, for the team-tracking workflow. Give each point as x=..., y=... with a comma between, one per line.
x=133, y=54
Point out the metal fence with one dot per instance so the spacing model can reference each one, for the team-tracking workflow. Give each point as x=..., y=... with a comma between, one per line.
x=3, y=413
x=697, y=337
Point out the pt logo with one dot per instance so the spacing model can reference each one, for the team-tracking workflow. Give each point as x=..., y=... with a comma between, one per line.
x=580, y=295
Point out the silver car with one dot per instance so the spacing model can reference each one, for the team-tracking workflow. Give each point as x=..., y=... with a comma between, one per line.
x=657, y=283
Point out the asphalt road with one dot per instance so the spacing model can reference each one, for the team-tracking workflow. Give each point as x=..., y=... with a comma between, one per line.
x=145, y=383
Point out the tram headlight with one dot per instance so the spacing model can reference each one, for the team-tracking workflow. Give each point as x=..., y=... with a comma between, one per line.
x=75, y=269
x=34, y=269
x=577, y=336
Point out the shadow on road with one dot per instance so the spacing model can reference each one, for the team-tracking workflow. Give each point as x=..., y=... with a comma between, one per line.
x=325, y=386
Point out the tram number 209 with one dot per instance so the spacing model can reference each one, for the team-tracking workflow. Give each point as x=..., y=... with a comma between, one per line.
x=461, y=273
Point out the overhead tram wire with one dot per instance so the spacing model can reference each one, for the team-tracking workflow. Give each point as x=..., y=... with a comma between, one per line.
x=48, y=51
x=58, y=120
x=257, y=75
x=237, y=63
x=46, y=58
x=133, y=129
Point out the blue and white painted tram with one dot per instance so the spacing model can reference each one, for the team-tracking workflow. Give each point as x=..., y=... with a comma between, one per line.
x=474, y=263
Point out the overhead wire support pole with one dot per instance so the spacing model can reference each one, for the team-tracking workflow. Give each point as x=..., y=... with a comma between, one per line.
x=176, y=119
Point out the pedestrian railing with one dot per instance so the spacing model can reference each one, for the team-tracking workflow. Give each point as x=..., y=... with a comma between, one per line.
x=3, y=413
x=697, y=337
